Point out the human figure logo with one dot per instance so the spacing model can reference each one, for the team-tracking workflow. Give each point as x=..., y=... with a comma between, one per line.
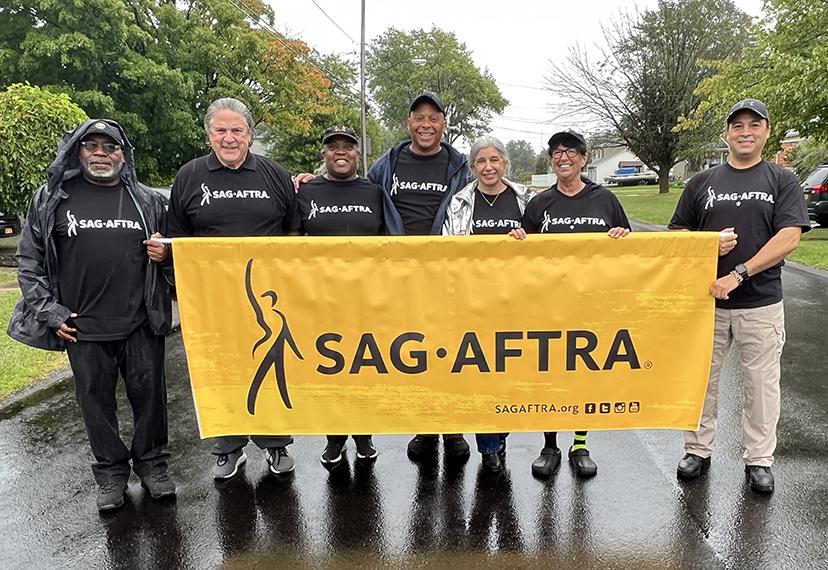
x=275, y=355
x=395, y=185
x=73, y=224
x=314, y=210
x=711, y=198
x=546, y=221
x=205, y=195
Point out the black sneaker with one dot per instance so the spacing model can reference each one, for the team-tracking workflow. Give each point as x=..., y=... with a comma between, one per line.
x=456, y=447
x=761, y=478
x=159, y=483
x=365, y=448
x=111, y=495
x=422, y=446
x=332, y=456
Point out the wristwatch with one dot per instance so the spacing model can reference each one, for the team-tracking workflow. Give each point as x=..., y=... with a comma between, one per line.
x=742, y=271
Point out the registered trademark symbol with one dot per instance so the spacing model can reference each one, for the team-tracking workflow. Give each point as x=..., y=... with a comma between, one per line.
x=648, y=364
x=441, y=352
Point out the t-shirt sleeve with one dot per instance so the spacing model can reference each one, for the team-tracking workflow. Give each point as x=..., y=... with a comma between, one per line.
x=176, y=222
x=686, y=215
x=790, y=210
x=529, y=220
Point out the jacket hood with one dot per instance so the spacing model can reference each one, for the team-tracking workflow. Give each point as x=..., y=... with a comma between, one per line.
x=67, y=161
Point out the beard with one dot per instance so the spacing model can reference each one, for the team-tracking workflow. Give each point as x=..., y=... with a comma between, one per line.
x=94, y=170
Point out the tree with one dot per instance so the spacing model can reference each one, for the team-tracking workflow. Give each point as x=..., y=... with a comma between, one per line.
x=299, y=151
x=542, y=162
x=787, y=68
x=32, y=121
x=522, y=156
x=470, y=94
x=643, y=82
x=154, y=66
x=807, y=156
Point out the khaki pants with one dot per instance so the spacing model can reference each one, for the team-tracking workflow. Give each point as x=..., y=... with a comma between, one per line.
x=758, y=335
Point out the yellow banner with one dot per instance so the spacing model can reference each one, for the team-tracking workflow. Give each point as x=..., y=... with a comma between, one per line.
x=447, y=334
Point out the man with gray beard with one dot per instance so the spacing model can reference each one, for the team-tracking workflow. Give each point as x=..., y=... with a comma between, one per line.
x=89, y=288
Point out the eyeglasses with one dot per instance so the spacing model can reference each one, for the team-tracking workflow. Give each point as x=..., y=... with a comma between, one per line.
x=108, y=148
x=570, y=152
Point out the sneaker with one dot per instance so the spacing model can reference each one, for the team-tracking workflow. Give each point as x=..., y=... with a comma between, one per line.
x=761, y=478
x=159, y=483
x=332, y=455
x=365, y=448
x=423, y=445
x=691, y=466
x=278, y=460
x=227, y=465
x=547, y=462
x=111, y=495
x=456, y=447
x=584, y=466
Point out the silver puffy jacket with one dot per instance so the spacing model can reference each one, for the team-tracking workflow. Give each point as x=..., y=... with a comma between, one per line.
x=460, y=210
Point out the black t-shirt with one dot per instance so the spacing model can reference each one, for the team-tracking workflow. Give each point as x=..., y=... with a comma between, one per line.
x=102, y=260
x=418, y=186
x=758, y=202
x=495, y=214
x=209, y=199
x=339, y=208
x=593, y=209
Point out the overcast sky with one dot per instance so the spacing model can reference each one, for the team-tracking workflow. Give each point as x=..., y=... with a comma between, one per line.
x=514, y=39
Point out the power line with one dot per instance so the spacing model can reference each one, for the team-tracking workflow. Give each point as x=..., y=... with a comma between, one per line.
x=334, y=22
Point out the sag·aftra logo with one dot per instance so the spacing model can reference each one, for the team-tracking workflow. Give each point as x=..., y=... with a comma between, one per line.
x=545, y=351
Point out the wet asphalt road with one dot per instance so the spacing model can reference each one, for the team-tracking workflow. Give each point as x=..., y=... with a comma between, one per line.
x=634, y=514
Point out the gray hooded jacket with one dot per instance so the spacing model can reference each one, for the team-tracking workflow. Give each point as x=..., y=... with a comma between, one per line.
x=39, y=312
x=461, y=208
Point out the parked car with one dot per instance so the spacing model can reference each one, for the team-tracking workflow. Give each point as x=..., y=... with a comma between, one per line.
x=815, y=189
x=9, y=225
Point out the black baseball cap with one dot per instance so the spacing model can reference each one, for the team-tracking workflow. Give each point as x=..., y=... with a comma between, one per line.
x=754, y=105
x=100, y=127
x=565, y=138
x=431, y=97
x=339, y=131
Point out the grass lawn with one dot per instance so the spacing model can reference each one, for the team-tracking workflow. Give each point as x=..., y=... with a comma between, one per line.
x=21, y=364
x=645, y=204
x=8, y=275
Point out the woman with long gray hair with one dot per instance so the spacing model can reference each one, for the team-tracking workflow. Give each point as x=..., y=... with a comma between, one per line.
x=490, y=204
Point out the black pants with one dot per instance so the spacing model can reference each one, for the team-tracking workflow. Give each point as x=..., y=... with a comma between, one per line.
x=140, y=361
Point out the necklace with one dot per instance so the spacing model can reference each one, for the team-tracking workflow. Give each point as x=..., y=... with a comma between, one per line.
x=492, y=203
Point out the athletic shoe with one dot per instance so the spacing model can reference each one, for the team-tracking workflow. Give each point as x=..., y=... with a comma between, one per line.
x=279, y=461
x=423, y=445
x=227, y=464
x=365, y=448
x=332, y=455
x=111, y=495
x=159, y=483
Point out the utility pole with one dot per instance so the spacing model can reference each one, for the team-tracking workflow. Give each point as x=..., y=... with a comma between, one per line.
x=363, y=136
